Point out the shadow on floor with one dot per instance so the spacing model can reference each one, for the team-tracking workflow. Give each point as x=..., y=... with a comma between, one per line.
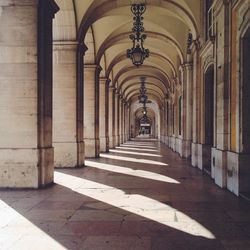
x=95, y=208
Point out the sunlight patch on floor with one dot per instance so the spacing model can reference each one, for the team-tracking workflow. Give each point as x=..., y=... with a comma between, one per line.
x=129, y=171
x=137, y=149
x=136, y=204
x=133, y=153
x=17, y=232
x=130, y=159
x=138, y=146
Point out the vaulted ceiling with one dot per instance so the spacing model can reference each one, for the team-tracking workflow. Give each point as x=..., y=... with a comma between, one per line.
x=105, y=25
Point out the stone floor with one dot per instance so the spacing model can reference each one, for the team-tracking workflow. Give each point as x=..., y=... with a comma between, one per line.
x=139, y=196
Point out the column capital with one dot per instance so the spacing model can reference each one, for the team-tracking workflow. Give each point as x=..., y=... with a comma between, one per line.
x=82, y=48
x=103, y=80
x=65, y=43
x=187, y=66
x=108, y=81
x=117, y=92
x=98, y=68
x=197, y=44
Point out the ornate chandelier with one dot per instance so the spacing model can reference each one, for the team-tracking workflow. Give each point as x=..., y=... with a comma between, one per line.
x=143, y=98
x=138, y=53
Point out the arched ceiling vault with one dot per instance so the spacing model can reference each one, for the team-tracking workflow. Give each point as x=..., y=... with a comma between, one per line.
x=135, y=86
x=149, y=91
x=123, y=38
x=139, y=113
x=131, y=71
x=105, y=26
x=136, y=79
x=90, y=11
x=151, y=96
x=122, y=56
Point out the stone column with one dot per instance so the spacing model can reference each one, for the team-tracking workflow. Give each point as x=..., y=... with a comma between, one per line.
x=165, y=122
x=103, y=112
x=196, y=106
x=64, y=104
x=129, y=122
x=91, y=110
x=81, y=48
x=126, y=122
x=107, y=114
x=121, y=120
x=219, y=152
x=26, y=152
x=187, y=110
x=111, y=119
x=117, y=119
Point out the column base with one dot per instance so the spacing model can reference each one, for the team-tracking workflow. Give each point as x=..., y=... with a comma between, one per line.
x=117, y=140
x=194, y=156
x=185, y=148
x=219, y=167
x=161, y=138
x=167, y=141
x=121, y=139
x=114, y=141
x=204, y=157
x=104, y=144
x=107, y=144
x=92, y=147
x=80, y=154
x=46, y=166
x=111, y=142
x=65, y=154
x=173, y=143
x=26, y=168
x=238, y=172
x=178, y=146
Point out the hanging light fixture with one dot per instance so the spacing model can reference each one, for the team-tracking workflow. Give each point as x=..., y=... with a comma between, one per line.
x=138, y=53
x=143, y=98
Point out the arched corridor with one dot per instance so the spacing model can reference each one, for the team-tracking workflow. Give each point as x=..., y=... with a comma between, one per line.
x=141, y=195
x=121, y=95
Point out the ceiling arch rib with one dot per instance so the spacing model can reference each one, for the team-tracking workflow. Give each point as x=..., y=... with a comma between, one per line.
x=151, y=96
x=148, y=67
x=139, y=113
x=137, y=86
x=149, y=78
x=124, y=37
x=122, y=56
x=150, y=91
x=153, y=71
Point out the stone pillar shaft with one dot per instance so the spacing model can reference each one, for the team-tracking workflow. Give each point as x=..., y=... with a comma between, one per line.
x=64, y=112
x=111, y=117
x=103, y=111
x=91, y=110
x=187, y=110
x=117, y=119
x=26, y=152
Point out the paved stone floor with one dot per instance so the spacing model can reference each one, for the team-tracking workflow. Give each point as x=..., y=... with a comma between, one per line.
x=139, y=196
